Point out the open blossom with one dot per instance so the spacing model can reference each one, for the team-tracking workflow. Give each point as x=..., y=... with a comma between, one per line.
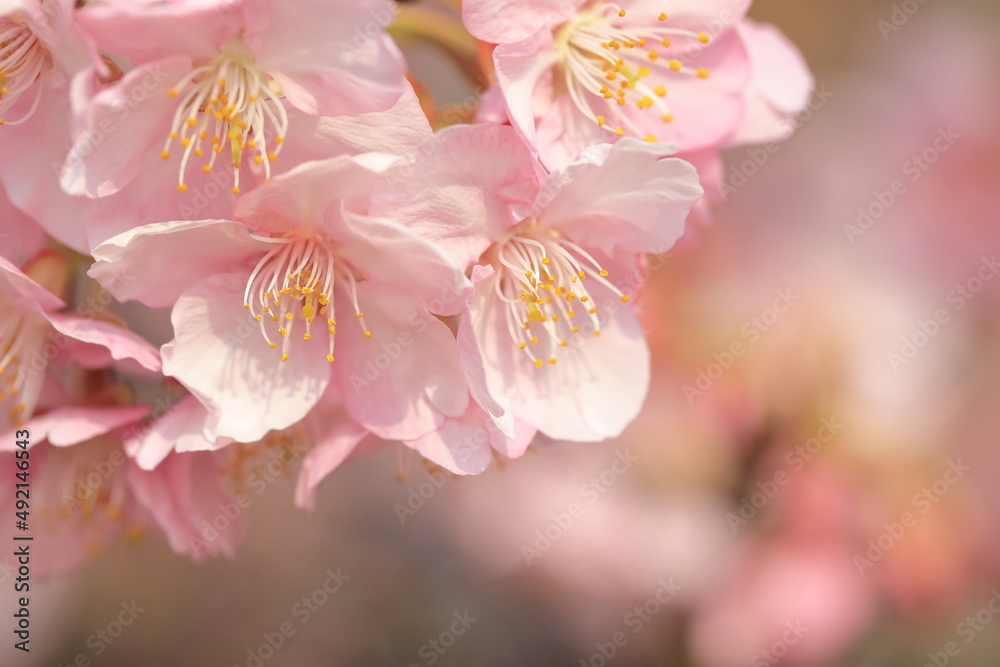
x=307, y=288
x=676, y=71
x=555, y=260
x=39, y=40
x=214, y=80
x=37, y=337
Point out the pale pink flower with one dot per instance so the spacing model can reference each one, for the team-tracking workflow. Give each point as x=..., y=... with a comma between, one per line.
x=36, y=337
x=262, y=306
x=579, y=73
x=547, y=337
x=41, y=41
x=209, y=81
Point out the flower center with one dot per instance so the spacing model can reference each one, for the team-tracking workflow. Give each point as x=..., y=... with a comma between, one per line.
x=542, y=284
x=21, y=340
x=295, y=281
x=22, y=59
x=227, y=103
x=609, y=67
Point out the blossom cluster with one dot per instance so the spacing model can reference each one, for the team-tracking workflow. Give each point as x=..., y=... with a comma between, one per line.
x=341, y=267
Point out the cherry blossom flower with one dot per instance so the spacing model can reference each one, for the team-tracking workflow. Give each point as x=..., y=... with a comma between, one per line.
x=548, y=333
x=269, y=310
x=39, y=41
x=36, y=337
x=579, y=73
x=214, y=76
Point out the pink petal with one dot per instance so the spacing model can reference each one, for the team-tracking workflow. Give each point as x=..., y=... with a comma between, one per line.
x=400, y=131
x=504, y=21
x=631, y=198
x=185, y=498
x=524, y=73
x=26, y=295
x=403, y=381
x=119, y=125
x=470, y=185
x=73, y=425
x=180, y=429
x=780, y=87
x=154, y=264
x=32, y=180
x=298, y=199
x=106, y=341
x=329, y=452
x=146, y=30
x=219, y=353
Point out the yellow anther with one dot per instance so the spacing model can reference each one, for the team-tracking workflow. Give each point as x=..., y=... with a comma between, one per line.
x=661, y=91
x=173, y=92
x=329, y=358
x=665, y=42
x=538, y=363
x=165, y=155
x=181, y=187
x=306, y=336
x=621, y=12
x=284, y=357
x=601, y=120
x=667, y=118
x=206, y=168
x=191, y=122
x=651, y=138
x=703, y=38
x=662, y=17
x=653, y=56
x=272, y=345
x=626, y=298
x=675, y=65
x=368, y=334
x=619, y=131
x=703, y=73
x=644, y=71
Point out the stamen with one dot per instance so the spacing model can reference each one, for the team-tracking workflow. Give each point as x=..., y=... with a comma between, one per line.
x=295, y=280
x=23, y=58
x=595, y=49
x=541, y=276
x=231, y=102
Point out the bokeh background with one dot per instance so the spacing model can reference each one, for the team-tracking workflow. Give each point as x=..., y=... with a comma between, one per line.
x=813, y=481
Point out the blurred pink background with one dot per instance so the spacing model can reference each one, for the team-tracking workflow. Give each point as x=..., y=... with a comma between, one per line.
x=813, y=482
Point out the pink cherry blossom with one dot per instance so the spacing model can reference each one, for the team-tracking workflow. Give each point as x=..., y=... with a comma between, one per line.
x=41, y=42
x=212, y=77
x=268, y=311
x=554, y=261
x=579, y=73
x=36, y=337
